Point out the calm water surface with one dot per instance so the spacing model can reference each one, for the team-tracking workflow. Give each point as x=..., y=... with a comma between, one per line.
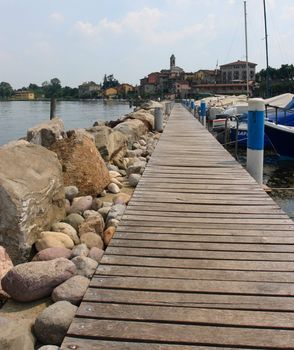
x=18, y=116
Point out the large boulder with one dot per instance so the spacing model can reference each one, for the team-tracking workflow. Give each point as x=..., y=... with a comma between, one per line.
x=31, y=195
x=35, y=280
x=46, y=133
x=146, y=117
x=110, y=143
x=82, y=164
x=52, y=324
x=133, y=129
x=5, y=265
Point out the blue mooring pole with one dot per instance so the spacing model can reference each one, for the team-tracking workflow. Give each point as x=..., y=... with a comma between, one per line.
x=203, y=112
x=255, y=140
x=192, y=105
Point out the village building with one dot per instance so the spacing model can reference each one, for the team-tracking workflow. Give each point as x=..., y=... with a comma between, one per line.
x=236, y=72
x=110, y=92
x=23, y=95
x=89, y=90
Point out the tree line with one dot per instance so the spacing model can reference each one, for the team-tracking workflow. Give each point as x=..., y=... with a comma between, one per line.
x=53, y=88
x=281, y=80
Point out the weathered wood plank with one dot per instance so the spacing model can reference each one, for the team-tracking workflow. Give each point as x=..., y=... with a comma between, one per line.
x=181, y=334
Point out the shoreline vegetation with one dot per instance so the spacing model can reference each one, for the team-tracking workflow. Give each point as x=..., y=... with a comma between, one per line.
x=62, y=195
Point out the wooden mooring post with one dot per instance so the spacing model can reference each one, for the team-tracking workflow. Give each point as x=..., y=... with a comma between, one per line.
x=52, y=107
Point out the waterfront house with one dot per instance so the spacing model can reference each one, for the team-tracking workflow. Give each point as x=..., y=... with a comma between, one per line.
x=110, y=92
x=23, y=95
x=236, y=71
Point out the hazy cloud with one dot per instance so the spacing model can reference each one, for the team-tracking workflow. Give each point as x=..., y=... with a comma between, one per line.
x=57, y=17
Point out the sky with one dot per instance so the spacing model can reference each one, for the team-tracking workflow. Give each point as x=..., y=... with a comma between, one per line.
x=78, y=41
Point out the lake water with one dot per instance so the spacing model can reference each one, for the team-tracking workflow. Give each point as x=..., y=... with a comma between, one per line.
x=18, y=116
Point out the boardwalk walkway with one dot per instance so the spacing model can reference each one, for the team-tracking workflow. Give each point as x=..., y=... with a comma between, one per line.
x=203, y=258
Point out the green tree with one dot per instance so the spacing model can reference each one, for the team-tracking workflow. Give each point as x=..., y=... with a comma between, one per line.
x=109, y=81
x=5, y=90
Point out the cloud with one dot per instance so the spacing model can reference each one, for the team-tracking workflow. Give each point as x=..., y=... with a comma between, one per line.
x=147, y=24
x=57, y=17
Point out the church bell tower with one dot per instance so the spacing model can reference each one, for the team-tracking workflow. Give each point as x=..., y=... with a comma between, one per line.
x=172, y=61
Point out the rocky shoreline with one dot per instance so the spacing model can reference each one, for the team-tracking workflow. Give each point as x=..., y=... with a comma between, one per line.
x=62, y=195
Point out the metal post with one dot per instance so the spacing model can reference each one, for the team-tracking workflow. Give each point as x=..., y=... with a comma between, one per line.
x=203, y=112
x=158, y=119
x=52, y=107
x=255, y=141
x=246, y=46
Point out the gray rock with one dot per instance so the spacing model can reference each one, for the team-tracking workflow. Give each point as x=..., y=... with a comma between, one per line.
x=112, y=167
x=96, y=254
x=80, y=250
x=134, y=179
x=112, y=222
x=116, y=212
x=113, y=188
x=47, y=133
x=80, y=204
x=74, y=220
x=35, y=280
x=85, y=266
x=93, y=223
x=97, y=204
x=53, y=253
x=71, y=290
x=92, y=239
x=52, y=324
x=103, y=193
x=104, y=212
x=88, y=213
x=5, y=265
x=67, y=229
x=71, y=192
x=49, y=347
x=31, y=195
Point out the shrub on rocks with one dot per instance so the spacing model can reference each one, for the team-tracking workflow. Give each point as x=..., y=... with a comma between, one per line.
x=35, y=280
x=82, y=164
x=52, y=253
x=71, y=290
x=85, y=266
x=67, y=229
x=52, y=324
x=92, y=240
x=74, y=220
x=31, y=195
x=80, y=250
x=50, y=239
x=96, y=254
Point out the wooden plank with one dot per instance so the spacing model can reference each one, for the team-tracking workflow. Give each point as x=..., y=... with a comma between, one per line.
x=198, y=254
x=196, y=274
x=213, y=263
x=71, y=343
x=192, y=300
x=204, y=246
x=214, y=317
x=219, y=220
x=226, y=238
x=181, y=334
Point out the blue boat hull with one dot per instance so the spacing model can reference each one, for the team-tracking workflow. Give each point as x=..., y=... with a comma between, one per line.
x=242, y=138
x=282, y=139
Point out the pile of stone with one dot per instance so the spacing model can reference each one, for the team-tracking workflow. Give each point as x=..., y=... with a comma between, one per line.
x=63, y=198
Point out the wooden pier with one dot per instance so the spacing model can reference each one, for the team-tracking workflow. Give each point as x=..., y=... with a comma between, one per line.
x=203, y=258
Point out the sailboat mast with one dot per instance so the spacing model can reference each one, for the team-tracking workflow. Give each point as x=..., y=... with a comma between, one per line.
x=246, y=46
x=266, y=49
